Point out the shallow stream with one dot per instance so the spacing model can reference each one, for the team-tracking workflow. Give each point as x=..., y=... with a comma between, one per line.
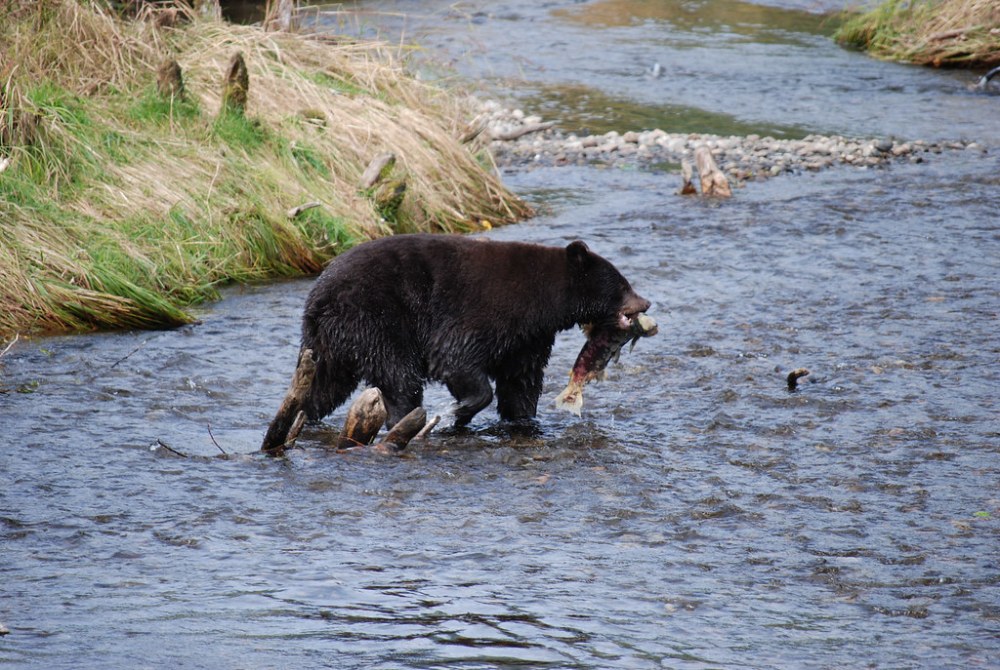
x=698, y=515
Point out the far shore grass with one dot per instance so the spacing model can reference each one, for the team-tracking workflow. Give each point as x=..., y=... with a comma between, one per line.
x=120, y=207
x=940, y=33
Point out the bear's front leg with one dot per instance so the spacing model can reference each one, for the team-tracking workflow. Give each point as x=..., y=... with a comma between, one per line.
x=517, y=396
x=472, y=391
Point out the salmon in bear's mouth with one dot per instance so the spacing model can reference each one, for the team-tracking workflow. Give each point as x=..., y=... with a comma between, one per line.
x=604, y=342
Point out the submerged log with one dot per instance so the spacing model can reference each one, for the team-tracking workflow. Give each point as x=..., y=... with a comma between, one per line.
x=236, y=87
x=288, y=421
x=364, y=420
x=404, y=431
x=793, y=378
x=713, y=182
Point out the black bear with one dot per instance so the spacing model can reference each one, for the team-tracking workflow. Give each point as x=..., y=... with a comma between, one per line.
x=402, y=310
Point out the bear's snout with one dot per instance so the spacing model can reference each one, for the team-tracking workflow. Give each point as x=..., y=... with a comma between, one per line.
x=635, y=304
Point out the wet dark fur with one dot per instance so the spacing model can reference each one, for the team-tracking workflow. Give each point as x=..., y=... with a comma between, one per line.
x=402, y=310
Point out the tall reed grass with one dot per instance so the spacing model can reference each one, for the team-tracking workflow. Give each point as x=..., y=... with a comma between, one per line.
x=929, y=32
x=119, y=208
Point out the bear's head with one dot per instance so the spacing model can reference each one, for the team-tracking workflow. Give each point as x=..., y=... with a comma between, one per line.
x=604, y=296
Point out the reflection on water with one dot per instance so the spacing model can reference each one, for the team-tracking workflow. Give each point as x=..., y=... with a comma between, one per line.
x=587, y=111
x=698, y=515
x=760, y=23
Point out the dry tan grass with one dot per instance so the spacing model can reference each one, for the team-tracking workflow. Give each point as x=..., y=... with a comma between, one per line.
x=118, y=208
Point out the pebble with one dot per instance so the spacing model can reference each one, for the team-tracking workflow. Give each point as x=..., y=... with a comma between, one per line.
x=742, y=157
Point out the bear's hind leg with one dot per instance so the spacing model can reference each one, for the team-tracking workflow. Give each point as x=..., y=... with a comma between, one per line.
x=473, y=392
x=331, y=387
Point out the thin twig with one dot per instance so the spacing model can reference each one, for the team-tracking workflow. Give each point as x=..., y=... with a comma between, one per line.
x=169, y=448
x=428, y=428
x=521, y=131
x=137, y=348
x=213, y=440
x=3, y=353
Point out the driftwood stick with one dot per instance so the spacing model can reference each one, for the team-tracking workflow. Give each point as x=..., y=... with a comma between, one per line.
x=794, y=376
x=293, y=432
x=364, y=419
x=713, y=182
x=404, y=431
x=10, y=346
x=298, y=209
x=277, y=437
x=425, y=431
x=474, y=129
x=521, y=131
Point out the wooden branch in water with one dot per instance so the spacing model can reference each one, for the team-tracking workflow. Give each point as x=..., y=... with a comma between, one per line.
x=427, y=428
x=793, y=378
x=713, y=182
x=404, y=431
x=280, y=433
x=364, y=419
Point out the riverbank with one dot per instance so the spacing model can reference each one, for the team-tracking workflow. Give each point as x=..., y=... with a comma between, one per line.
x=121, y=205
x=523, y=140
x=962, y=33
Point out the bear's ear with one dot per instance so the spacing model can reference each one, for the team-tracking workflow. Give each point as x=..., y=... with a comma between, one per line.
x=577, y=251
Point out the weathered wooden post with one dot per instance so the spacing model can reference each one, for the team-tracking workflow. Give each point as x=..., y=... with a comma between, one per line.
x=236, y=86
x=386, y=194
x=364, y=420
x=169, y=80
x=713, y=182
x=287, y=422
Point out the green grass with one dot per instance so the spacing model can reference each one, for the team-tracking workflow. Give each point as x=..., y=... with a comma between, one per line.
x=120, y=208
x=928, y=32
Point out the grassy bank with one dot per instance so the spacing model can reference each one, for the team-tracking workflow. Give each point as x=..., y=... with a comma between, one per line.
x=962, y=33
x=119, y=207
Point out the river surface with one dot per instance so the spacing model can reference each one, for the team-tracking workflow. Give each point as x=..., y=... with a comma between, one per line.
x=698, y=515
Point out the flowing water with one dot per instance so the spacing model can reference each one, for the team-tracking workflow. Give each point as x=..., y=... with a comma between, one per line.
x=698, y=515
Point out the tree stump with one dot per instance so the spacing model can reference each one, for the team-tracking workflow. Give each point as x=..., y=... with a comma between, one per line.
x=379, y=169
x=210, y=9
x=713, y=182
x=364, y=419
x=279, y=15
x=687, y=174
x=236, y=86
x=386, y=194
x=288, y=421
x=169, y=81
